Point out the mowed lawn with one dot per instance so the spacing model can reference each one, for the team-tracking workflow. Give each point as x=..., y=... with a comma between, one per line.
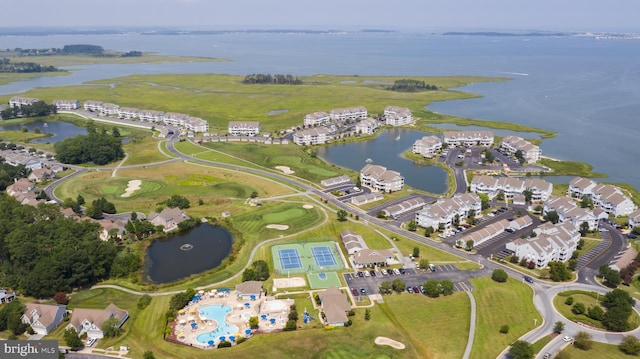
x=436, y=327
x=509, y=303
x=220, y=190
x=598, y=350
x=254, y=223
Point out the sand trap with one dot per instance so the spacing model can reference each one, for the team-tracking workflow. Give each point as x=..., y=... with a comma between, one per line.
x=307, y=206
x=132, y=186
x=289, y=282
x=285, y=169
x=390, y=342
x=280, y=227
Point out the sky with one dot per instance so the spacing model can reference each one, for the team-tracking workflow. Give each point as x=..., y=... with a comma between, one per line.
x=551, y=15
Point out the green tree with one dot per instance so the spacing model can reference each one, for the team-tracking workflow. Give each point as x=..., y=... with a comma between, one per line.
x=342, y=215
x=447, y=287
x=521, y=349
x=178, y=201
x=381, y=214
x=254, y=322
x=504, y=329
x=385, y=287
x=572, y=264
x=110, y=328
x=148, y=355
x=500, y=196
x=584, y=229
x=586, y=202
x=456, y=220
x=411, y=226
x=416, y=252
x=115, y=132
x=469, y=245
x=595, y=312
x=423, y=264
x=630, y=345
x=528, y=194
x=583, y=341
x=552, y=216
x=578, y=308
x=428, y=231
x=559, y=272
x=489, y=156
x=616, y=319
x=558, y=327
x=72, y=339
x=432, y=288
x=499, y=275
x=80, y=200
x=399, y=285
x=611, y=276
x=485, y=203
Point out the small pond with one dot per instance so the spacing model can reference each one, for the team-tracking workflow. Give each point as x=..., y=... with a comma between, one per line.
x=59, y=130
x=180, y=255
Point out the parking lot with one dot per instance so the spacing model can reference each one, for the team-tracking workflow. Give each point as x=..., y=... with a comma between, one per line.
x=364, y=284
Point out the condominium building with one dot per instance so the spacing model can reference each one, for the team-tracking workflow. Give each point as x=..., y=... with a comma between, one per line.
x=196, y=124
x=151, y=115
x=367, y=126
x=381, y=179
x=93, y=106
x=444, y=211
x=634, y=218
x=427, y=146
x=18, y=101
x=175, y=119
x=397, y=116
x=606, y=197
x=569, y=211
x=350, y=113
x=128, y=113
x=244, y=128
x=66, y=105
x=552, y=243
x=316, y=118
x=312, y=136
x=403, y=207
x=511, y=187
x=468, y=138
x=513, y=144
x=109, y=109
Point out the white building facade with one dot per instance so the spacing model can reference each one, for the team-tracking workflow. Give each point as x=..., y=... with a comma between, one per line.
x=380, y=179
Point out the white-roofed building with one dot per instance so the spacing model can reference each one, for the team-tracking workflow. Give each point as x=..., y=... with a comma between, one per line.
x=553, y=243
x=513, y=144
x=352, y=242
x=334, y=181
x=445, y=210
x=93, y=106
x=350, y=113
x=18, y=101
x=403, y=207
x=511, y=187
x=175, y=119
x=316, y=118
x=520, y=223
x=381, y=179
x=634, y=219
x=372, y=257
x=604, y=196
x=151, y=115
x=468, y=138
x=66, y=105
x=569, y=211
x=109, y=109
x=427, y=146
x=312, y=136
x=244, y=128
x=128, y=113
x=485, y=233
x=397, y=116
x=367, y=126
x=196, y=124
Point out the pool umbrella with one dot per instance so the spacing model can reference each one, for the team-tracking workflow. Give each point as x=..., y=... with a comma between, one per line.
x=253, y=297
x=232, y=338
x=210, y=342
x=272, y=320
x=247, y=331
x=247, y=305
x=193, y=325
x=263, y=316
x=222, y=338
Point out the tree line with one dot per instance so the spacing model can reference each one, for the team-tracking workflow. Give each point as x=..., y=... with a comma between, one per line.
x=7, y=66
x=271, y=79
x=38, y=109
x=42, y=252
x=98, y=146
x=78, y=49
x=408, y=85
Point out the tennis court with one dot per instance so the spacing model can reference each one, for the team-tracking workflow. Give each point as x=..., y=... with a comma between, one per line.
x=289, y=258
x=298, y=258
x=323, y=256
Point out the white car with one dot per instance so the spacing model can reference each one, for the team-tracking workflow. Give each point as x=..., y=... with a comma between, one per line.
x=567, y=338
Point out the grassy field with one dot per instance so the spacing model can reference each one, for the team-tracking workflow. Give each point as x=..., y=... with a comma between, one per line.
x=570, y=168
x=589, y=299
x=498, y=304
x=221, y=98
x=220, y=190
x=19, y=137
x=598, y=350
x=537, y=346
x=253, y=224
x=143, y=150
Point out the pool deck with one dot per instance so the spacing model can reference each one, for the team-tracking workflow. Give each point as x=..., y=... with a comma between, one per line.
x=239, y=316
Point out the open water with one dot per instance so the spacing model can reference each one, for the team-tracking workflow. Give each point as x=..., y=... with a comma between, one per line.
x=585, y=89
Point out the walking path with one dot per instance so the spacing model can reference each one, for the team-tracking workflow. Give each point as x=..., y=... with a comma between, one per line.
x=472, y=326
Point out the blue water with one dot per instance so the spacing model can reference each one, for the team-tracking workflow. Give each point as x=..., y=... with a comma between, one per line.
x=217, y=313
x=584, y=89
x=58, y=130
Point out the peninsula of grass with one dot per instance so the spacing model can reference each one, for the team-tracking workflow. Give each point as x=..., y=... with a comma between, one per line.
x=21, y=138
x=6, y=78
x=569, y=168
x=223, y=98
x=589, y=299
x=499, y=304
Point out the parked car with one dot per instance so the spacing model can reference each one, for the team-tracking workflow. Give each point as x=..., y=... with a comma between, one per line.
x=373, y=273
x=567, y=338
x=528, y=279
x=416, y=290
x=390, y=271
x=360, y=274
x=396, y=271
x=409, y=289
x=422, y=289
x=363, y=291
x=366, y=274
x=354, y=291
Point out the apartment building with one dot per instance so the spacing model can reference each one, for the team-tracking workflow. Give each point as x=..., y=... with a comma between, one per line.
x=552, y=243
x=350, y=113
x=312, y=136
x=397, y=116
x=634, y=218
x=109, y=109
x=66, y=105
x=403, y=207
x=445, y=210
x=128, y=113
x=150, y=115
x=174, y=118
x=513, y=144
x=244, y=128
x=468, y=138
x=196, y=124
x=316, y=119
x=18, y=101
x=511, y=187
x=604, y=196
x=367, y=126
x=427, y=146
x=381, y=179
x=93, y=106
x=569, y=211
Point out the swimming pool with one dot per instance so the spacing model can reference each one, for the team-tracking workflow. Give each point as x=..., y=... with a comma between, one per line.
x=217, y=313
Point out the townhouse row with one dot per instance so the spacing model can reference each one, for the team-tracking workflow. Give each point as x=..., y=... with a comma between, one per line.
x=552, y=243
x=443, y=212
x=604, y=196
x=530, y=152
x=511, y=187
